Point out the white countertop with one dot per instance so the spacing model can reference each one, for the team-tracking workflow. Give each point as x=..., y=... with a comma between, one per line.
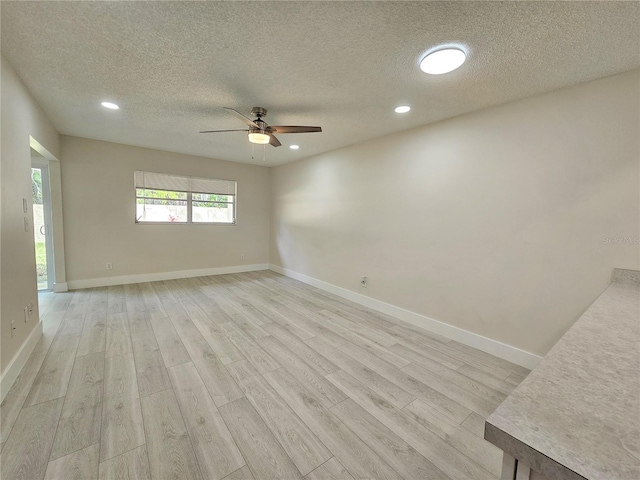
x=577, y=415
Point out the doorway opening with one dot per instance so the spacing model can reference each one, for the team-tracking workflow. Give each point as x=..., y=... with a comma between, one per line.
x=42, y=230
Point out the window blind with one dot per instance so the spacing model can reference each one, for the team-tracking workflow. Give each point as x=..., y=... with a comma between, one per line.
x=163, y=181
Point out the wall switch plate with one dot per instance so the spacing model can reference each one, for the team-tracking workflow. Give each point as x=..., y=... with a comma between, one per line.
x=26, y=224
x=25, y=206
x=26, y=314
x=109, y=266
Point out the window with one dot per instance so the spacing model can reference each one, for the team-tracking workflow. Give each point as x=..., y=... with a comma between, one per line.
x=162, y=198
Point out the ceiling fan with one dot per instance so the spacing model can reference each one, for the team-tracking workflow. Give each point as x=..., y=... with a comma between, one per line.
x=259, y=131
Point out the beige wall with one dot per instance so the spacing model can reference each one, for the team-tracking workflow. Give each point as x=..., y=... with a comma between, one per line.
x=20, y=118
x=492, y=222
x=99, y=212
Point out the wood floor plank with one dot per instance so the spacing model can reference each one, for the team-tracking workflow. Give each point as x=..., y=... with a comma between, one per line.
x=171, y=347
x=451, y=461
x=252, y=351
x=214, y=447
x=378, y=336
x=122, y=426
x=475, y=424
x=181, y=321
x=379, y=351
x=79, y=425
x=420, y=333
x=487, y=395
x=222, y=388
x=416, y=353
x=482, y=405
x=299, y=442
x=332, y=469
x=312, y=322
x=515, y=379
x=132, y=465
x=488, y=359
x=324, y=377
x=15, y=399
x=390, y=447
x=79, y=465
x=150, y=297
x=25, y=454
x=264, y=455
x=479, y=450
x=94, y=333
x=487, y=379
x=283, y=316
x=118, y=338
x=223, y=348
x=310, y=356
x=73, y=320
x=387, y=389
x=171, y=455
x=346, y=446
x=139, y=321
x=241, y=474
x=151, y=372
x=206, y=326
x=322, y=390
x=53, y=378
x=115, y=300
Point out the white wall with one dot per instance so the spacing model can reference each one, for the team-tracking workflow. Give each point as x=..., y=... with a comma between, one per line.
x=99, y=213
x=21, y=117
x=492, y=222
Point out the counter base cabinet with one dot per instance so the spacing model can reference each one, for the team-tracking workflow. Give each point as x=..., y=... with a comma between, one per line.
x=512, y=469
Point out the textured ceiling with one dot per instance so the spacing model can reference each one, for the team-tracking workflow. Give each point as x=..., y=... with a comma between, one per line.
x=172, y=66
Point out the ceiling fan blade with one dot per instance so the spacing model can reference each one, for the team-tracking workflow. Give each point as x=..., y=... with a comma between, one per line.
x=293, y=129
x=216, y=131
x=274, y=141
x=243, y=117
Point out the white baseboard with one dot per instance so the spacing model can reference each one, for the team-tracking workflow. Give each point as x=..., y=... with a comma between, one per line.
x=488, y=345
x=155, y=277
x=15, y=366
x=60, y=287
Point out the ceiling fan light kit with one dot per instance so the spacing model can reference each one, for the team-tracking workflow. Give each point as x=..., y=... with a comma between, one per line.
x=259, y=137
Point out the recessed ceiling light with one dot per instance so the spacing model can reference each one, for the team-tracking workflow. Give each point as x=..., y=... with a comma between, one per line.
x=294, y=147
x=110, y=105
x=403, y=109
x=442, y=61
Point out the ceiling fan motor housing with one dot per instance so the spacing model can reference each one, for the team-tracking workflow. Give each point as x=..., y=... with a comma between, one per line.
x=259, y=112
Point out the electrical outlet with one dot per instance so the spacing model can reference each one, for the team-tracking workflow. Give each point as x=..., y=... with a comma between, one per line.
x=13, y=328
x=363, y=282
x=242, y=256
x=109, y=266
x=30, y=308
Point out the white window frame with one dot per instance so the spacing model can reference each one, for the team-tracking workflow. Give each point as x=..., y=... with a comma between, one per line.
x=189, y=200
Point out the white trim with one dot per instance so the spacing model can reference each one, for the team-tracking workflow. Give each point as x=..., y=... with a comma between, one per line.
x=60, y=287
x=488, y=345
x=15, y=366
x=154, y=277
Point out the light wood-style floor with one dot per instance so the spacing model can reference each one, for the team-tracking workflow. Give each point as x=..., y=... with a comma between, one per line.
x=245, y=376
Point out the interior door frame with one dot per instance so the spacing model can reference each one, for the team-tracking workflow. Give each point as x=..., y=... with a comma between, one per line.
x=43, y=166
x=56, y=231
